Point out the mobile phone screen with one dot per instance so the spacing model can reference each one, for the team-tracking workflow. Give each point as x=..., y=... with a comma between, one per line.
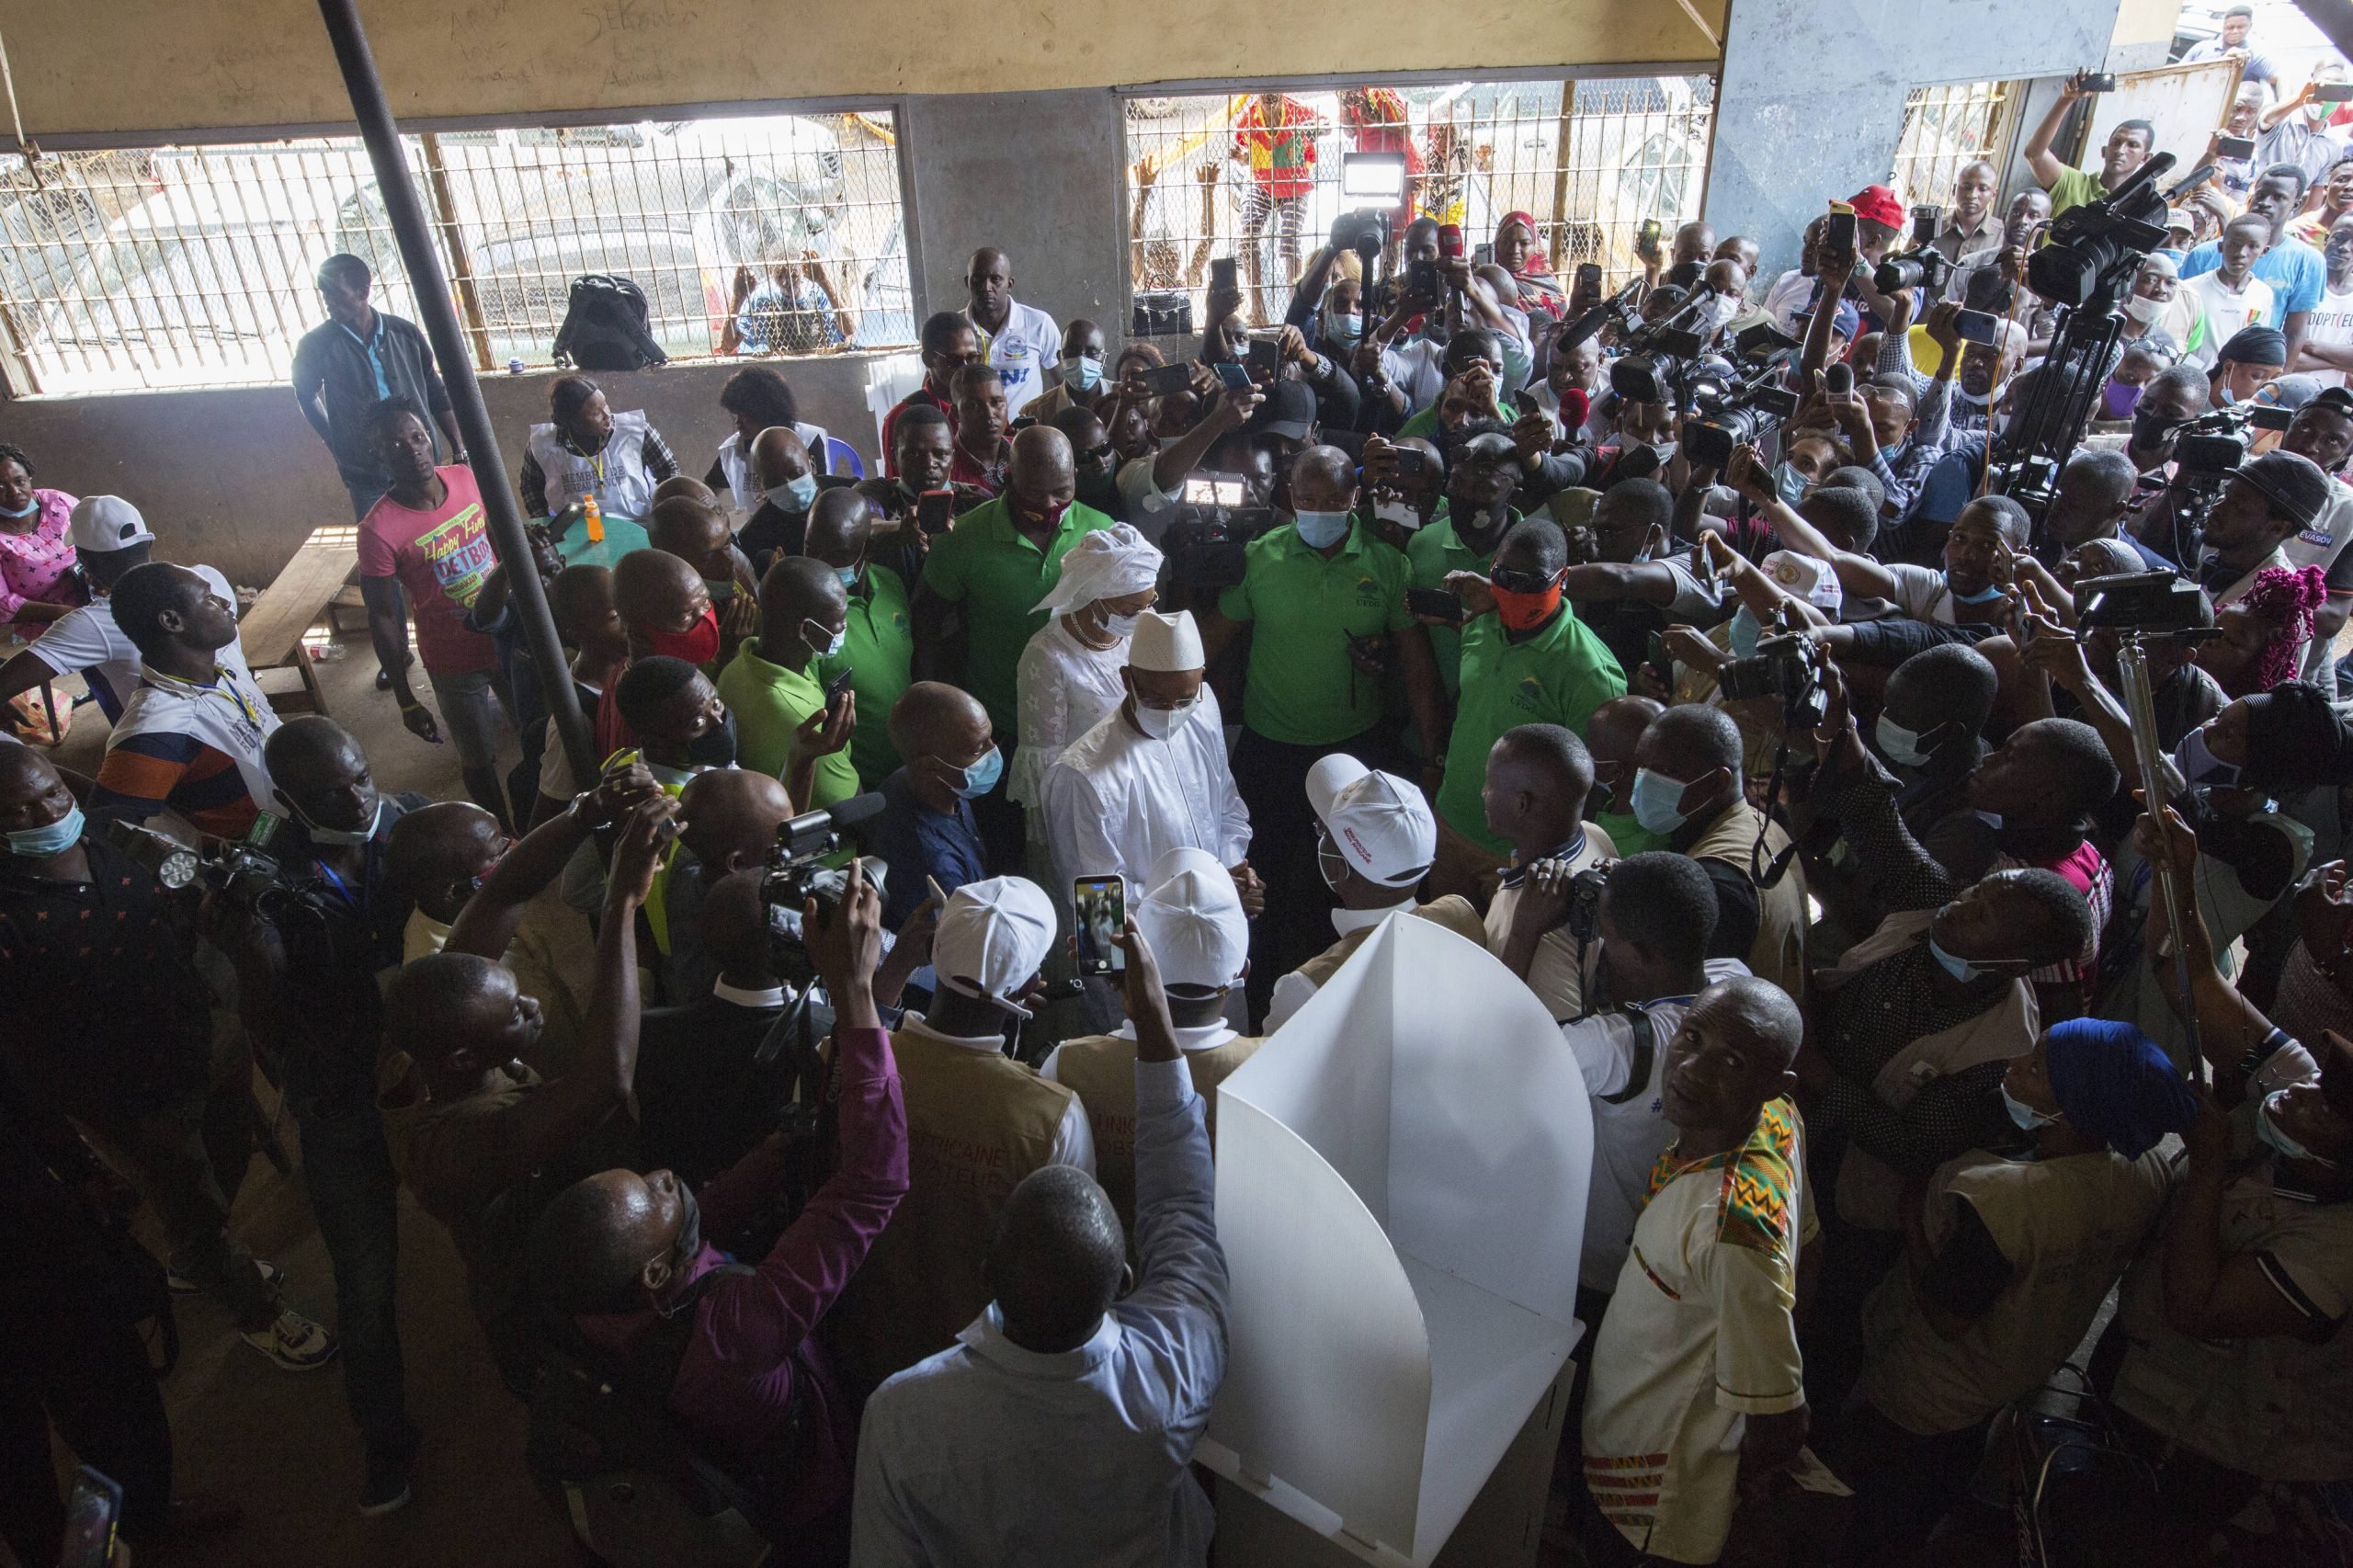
x=1100, y=907
x=1232, y=374
x=936, y=511
x=1589, y=272
x=1976, y=327
x=1221, y=273
x=90, y=1516
x=837, y=688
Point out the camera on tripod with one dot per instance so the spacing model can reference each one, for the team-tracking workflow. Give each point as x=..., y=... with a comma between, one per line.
x=1922, y=267
x=1789, y=668
x=2214, y=444
x=1209, y=536
x=797, y=869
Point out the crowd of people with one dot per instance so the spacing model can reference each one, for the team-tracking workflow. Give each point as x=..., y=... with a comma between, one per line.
x=945, y=837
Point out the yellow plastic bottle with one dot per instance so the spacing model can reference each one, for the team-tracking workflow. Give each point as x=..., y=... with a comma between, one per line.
x=596, y=515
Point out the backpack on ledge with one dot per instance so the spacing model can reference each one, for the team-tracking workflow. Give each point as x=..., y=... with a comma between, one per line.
x=606, y=327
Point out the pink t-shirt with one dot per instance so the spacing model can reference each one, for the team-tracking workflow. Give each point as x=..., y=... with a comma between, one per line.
x=2087, y=871
x=440, y=557
x=39, y=563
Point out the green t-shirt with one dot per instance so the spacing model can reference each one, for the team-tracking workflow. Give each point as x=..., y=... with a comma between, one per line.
x=770, y=703
x=1559, y=676
x=878, y=652
x=1630, y=836
x=2074, y=187
x=1425, y=421
x=1303, y=689
x=1434, y=550
x=985, y=565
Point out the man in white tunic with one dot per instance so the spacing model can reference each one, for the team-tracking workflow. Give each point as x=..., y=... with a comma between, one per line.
x=1696, y=1382
x=1153, y=777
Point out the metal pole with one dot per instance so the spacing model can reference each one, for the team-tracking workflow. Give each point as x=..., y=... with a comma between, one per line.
x=374, y=113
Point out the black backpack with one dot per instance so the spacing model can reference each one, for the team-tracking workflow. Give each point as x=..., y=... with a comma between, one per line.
x=606, y=327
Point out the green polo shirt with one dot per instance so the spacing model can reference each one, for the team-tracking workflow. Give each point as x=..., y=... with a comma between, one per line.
x=1425, y=421
x=1434, y=551
x=2074, y=187
x=1630, y=836
x=1303, y=689
x=878, y=652
x=770, y=703
x=1559, y=676
x=985, y=565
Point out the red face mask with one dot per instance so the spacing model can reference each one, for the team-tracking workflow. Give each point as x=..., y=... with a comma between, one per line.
x=1526, y=612
x=698, y=644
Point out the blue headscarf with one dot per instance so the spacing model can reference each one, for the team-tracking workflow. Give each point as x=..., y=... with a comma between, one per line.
x=2113, y=1082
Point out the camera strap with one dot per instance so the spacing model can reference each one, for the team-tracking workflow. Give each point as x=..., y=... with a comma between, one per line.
x=1764, y=875
x=1637, y=1072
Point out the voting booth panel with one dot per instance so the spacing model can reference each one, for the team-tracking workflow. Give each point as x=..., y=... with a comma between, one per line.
x=1402, y=1173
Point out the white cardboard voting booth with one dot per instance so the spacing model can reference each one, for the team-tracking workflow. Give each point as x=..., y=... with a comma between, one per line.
x=1401, y=1192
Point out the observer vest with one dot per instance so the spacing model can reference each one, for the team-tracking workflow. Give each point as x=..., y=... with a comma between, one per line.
x=624, y=490
x=1778, y=952
x=1102, y=1070
x=1453, y=911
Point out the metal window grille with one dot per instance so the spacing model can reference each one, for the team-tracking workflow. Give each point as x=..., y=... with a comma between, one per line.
x=1945, y=130
x=1209, y=177
x=194, y=265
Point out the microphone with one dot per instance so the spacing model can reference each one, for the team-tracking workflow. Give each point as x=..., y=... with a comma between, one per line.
x=2139, y=182
x=2197, y=177
x=1450, y=241
x=1585, y=326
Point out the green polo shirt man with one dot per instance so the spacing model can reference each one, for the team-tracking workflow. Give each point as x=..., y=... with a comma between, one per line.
x=879, y=654
x=992, y=567
x=1552, y=672
x=773, y=686
x=1439, y=548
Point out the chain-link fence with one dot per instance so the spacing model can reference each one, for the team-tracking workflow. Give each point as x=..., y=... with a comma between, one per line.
x=1257, y=175
x=1945, y=130
x=194, y=265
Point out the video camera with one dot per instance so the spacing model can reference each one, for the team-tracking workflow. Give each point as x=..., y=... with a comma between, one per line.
x=1922, y=267
x=1209, y=536
x=2214, y=443
x=1788, y=667
x=2094, y=246
x=1655, y=366
x=239, y=870
x=797, y=871
x=2143, y=601
x=1739, y=402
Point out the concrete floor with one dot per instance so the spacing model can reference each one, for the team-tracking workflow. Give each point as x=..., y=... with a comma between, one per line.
x=280, y=1445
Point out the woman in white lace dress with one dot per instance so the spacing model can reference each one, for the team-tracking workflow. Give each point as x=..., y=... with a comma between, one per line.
x=1068, y=679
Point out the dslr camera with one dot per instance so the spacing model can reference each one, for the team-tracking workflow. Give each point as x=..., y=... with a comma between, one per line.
x=1788, y=667
x=240, y=870
x=795, y=870
x=1208, y=538
x=1923, y=266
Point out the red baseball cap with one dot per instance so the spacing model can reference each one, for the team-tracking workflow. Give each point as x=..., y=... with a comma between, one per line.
x=1878, y=204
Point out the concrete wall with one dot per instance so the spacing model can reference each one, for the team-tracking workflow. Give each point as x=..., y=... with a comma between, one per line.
x=234, y=478
x=1812, y=99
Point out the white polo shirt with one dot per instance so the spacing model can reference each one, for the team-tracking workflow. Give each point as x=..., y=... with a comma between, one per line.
x=88, y=643
x=1030, y=341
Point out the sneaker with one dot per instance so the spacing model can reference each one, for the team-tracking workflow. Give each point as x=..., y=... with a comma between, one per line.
x=294, y=1342
x=386, y=1489
x=183, y=1286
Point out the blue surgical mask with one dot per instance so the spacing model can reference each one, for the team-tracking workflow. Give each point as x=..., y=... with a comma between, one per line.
x=795, y=495
x=1658, y=801
x=848, y=576
x=2025, y=1115
x=2269, y=1130
x=1321, y=530
x=1343, y=331
x=1743, y=634
x=1898, y=744
x=1959, y=969
x=1991, y=819
x=26, y=510
x=2198, y=764
x=40, y=843
x=1082, y=374
x=1983, y=595
x=981, y=776
x=1787, y=483
x=833, y=640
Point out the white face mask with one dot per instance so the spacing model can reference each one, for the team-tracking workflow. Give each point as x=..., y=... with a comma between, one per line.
x=1120, y=625
x=831, y=644
x=2142, y=309
x=1162, y=722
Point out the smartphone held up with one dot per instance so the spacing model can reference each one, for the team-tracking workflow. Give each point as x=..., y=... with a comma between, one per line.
x=1099, y=905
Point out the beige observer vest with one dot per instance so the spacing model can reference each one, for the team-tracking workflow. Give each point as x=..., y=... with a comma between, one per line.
x=1778, y=952
x=1453, y=911
x=977, y=1123
x=1101, y=1069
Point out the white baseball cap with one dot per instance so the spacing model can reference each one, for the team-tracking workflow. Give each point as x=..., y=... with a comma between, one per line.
x=1192, y=917
x=1170, y=644
x=992, y=937
x=104, y=524
x=1377, y=822
x=1808, y=577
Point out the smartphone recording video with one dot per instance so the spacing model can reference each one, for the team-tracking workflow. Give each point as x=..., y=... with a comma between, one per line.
x=1100, y=907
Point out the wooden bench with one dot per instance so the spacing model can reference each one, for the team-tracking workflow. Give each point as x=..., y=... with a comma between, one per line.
x=272, y=632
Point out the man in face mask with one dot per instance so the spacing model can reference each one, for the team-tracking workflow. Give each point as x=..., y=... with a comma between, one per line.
x=1527, y=658
x=1153, y=776
x=789, y=484
x=696, y=531
x=1077, y=380
x=927, y=833
x=778, y=694
x=2155, y=305
x=878, y=648
x=1472, y=520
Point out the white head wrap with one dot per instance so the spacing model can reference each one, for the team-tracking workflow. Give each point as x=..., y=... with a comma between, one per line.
x=1108, y=564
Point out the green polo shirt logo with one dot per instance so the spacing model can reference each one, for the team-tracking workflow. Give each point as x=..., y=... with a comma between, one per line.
x=1530, y=695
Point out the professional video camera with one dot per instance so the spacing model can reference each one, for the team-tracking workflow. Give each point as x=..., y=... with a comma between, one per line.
x=1656, y=360
x=2206, y=452
x=239, y=870
x=1210, y=532
x=2156, y=602
x=1922, y=267
x=797, y=871
x=1741, y=401
x=1788, y=667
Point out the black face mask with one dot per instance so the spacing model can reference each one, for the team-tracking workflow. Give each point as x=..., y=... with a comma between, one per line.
x=715, y=747
x=2151, y=429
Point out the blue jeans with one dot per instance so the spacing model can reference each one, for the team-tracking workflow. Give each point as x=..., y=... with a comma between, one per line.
x=348, y=1171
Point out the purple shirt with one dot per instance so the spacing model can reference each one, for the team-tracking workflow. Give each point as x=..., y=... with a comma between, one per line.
x=752, y=1333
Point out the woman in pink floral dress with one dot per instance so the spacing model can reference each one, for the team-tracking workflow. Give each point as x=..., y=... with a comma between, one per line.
x=37, y=583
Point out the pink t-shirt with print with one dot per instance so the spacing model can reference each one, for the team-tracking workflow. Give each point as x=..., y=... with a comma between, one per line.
x=440, y=557
x=39, y=563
